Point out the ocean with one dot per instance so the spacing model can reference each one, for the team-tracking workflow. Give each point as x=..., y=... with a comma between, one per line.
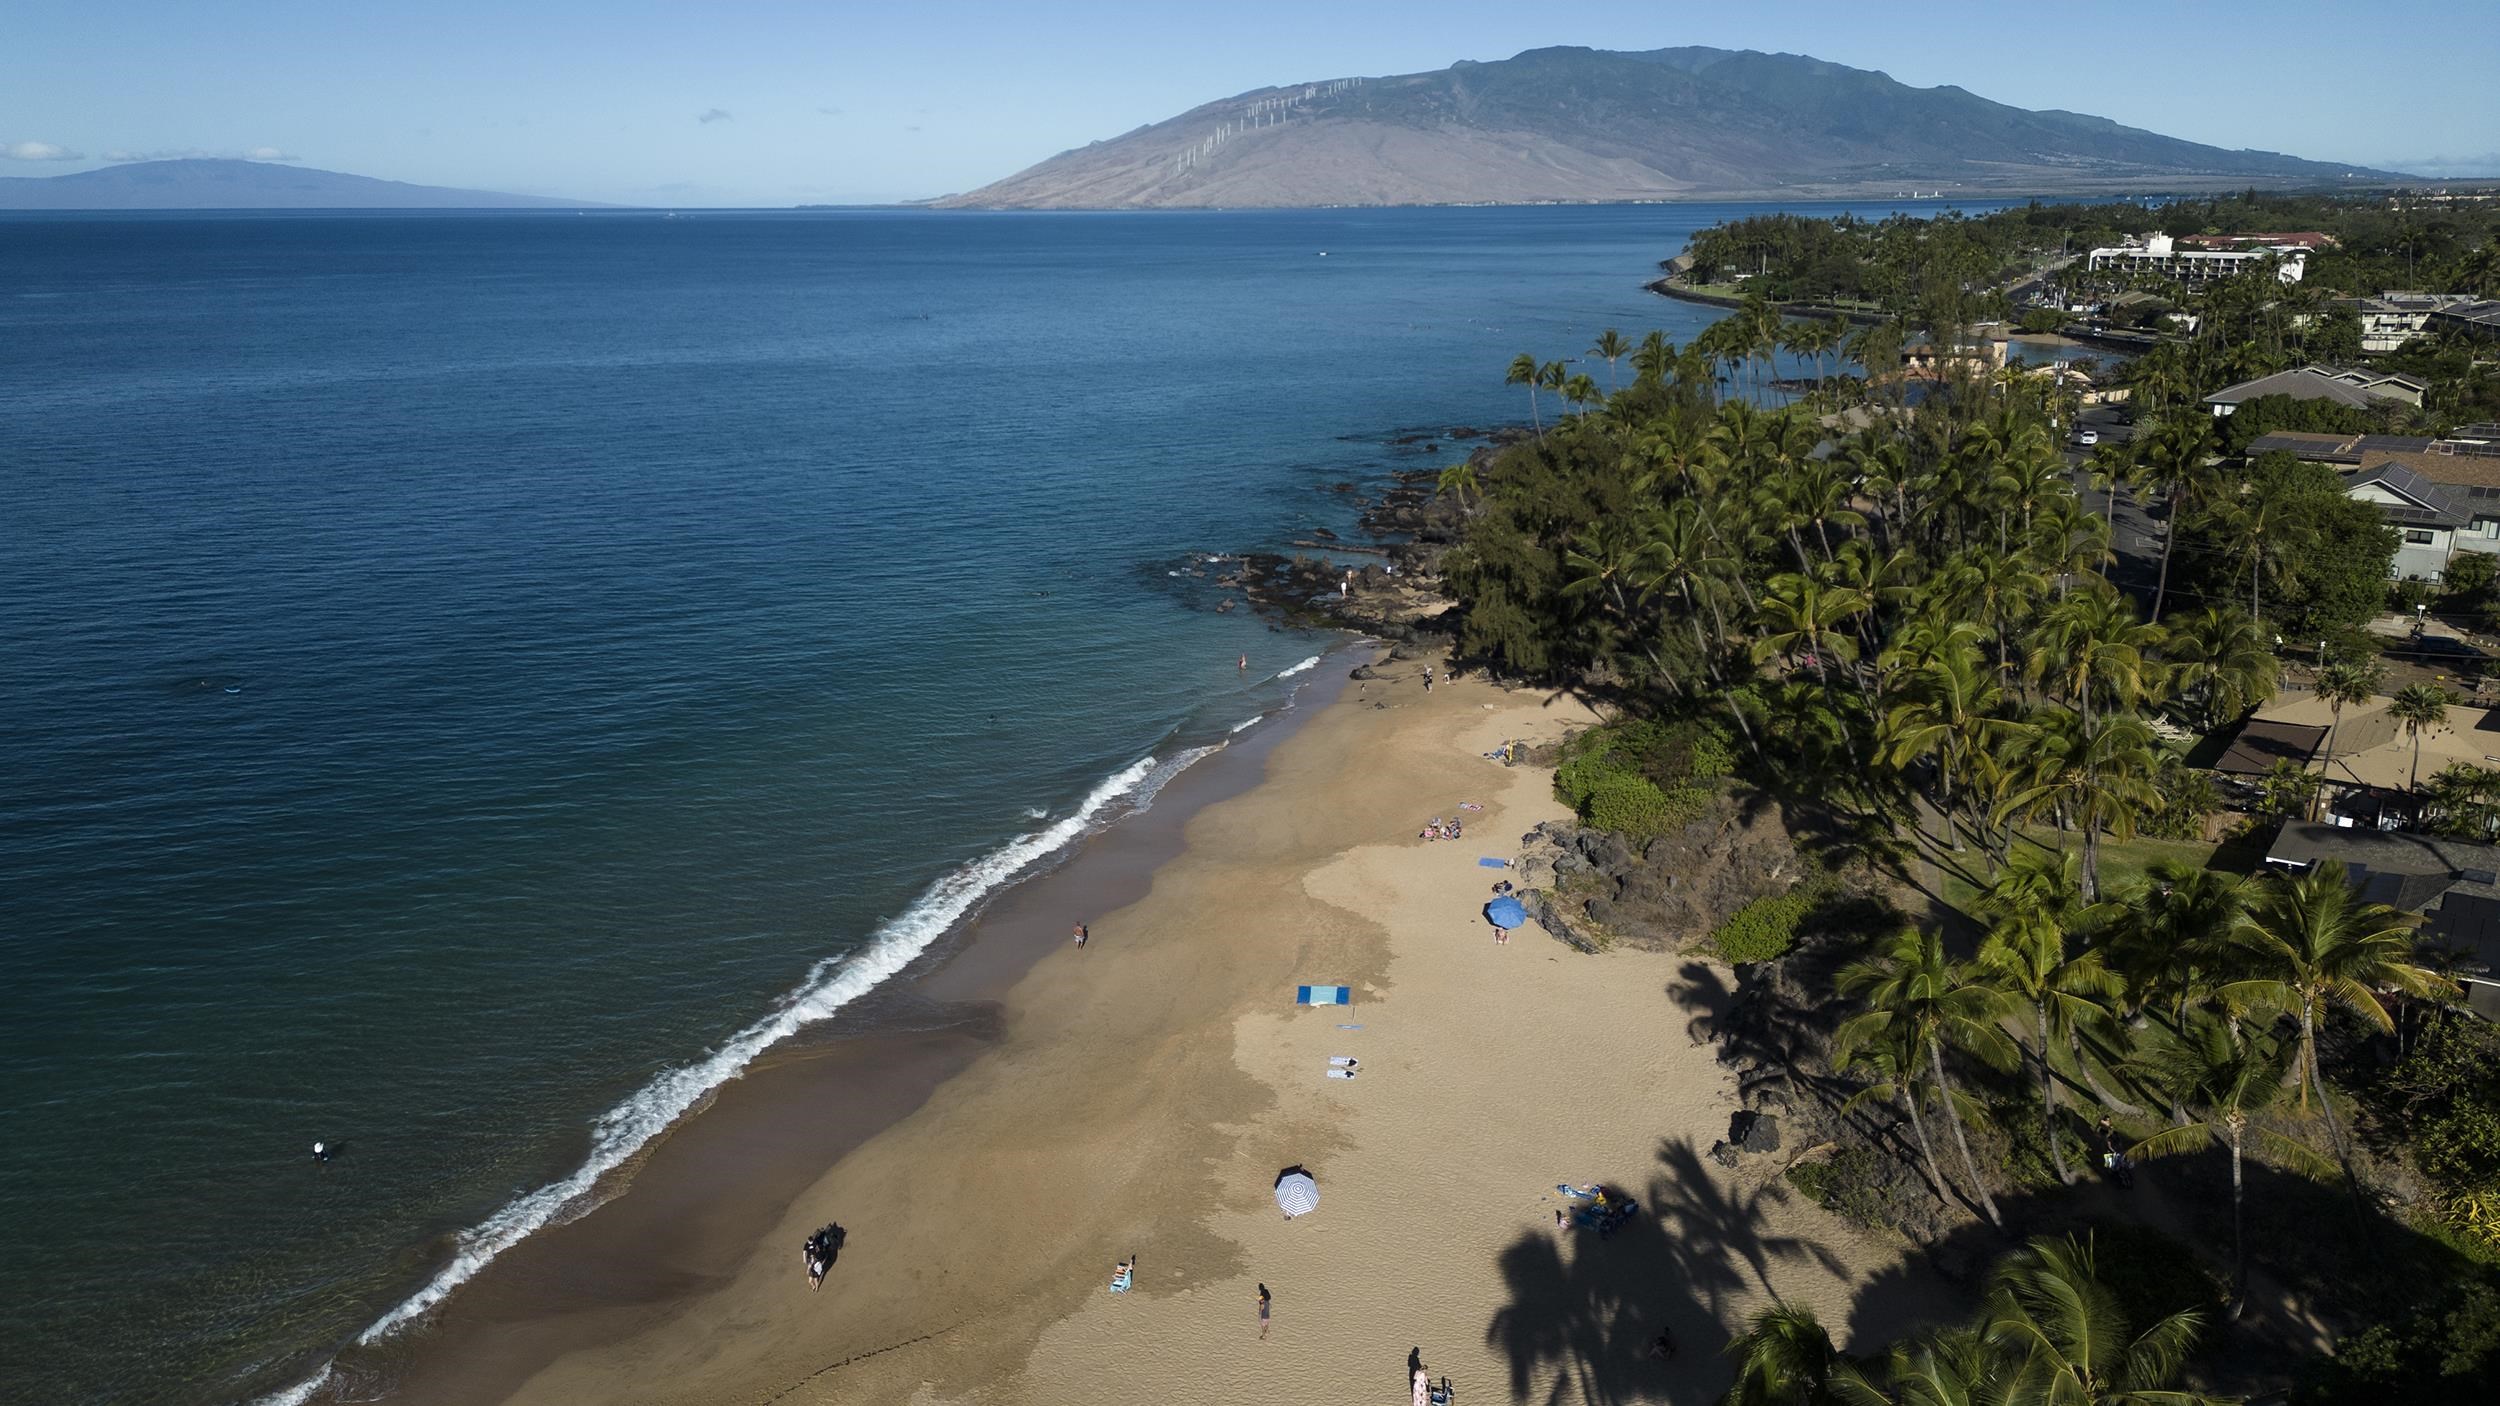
x=473, y=681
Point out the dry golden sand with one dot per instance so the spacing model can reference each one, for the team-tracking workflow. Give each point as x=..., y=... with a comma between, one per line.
x=1148, y=1090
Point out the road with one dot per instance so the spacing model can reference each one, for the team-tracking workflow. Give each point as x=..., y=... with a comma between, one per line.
x=2134, y=534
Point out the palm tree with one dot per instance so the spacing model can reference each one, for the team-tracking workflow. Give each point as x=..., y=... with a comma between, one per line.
x=2096, y=774
x=1951, y=1368
x=2224, y=1081
x=1613, y=348
x=1918, y=998
x=1801, y=615
x=2174, y=940
x=1653, y=359
x=2218, y=655
x=2417, y=706
x=2309, y=944
x=1458, y=482
x=2174, y=466
x=2338, y=684
x=1783, y=1358
x=1524, y=372
x=2062, y=1336
x=2031, y=907
x=1948, y=711
x=1553, y=376
x=2090, y=644
x=1581, y=390
x=1890, y=1066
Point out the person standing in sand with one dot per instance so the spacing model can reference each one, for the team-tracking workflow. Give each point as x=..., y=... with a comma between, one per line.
x=1262, y=1312
x=1082, y=933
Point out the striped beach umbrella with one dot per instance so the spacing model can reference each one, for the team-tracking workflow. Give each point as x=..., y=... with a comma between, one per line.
x=1297, y=1194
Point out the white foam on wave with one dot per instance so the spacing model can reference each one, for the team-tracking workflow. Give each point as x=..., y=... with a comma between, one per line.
x=830, y=985
x=1245, y=725
x=1304, y=666
x=1163, y=772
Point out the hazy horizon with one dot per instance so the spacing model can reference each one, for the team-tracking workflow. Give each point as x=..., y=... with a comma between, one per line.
x=779, y=103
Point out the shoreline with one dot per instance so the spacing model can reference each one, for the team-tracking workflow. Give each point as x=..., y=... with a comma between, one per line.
x=1137, y=1097
x=565, y=1284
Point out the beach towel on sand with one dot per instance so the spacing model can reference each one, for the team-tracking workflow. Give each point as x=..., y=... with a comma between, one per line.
x=1323, y=995
x=1340, y=1073
x=1490, y=863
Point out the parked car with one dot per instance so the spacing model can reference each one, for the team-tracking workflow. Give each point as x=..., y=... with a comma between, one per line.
x=2086, y=437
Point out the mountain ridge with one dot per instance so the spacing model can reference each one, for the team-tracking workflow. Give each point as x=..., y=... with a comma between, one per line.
x=1568, y=124
x=221, y=183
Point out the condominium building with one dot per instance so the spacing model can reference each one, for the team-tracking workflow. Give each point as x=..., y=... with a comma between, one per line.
x=2164, y=257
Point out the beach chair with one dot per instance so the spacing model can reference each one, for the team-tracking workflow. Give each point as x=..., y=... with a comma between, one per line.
x=1439, y=1394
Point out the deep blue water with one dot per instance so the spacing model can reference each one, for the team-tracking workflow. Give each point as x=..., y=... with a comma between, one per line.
x=456, y=671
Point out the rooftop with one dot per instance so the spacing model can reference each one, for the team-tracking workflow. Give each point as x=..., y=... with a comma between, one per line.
x=2343, y=386
x=2455, y=882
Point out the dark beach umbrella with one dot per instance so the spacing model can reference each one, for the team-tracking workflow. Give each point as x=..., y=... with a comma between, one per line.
x=1506, y=912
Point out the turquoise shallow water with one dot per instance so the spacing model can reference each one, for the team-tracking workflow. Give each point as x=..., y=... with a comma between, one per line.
x=471, y=679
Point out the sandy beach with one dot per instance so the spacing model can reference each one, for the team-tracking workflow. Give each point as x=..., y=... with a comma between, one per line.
x=1139, y=1098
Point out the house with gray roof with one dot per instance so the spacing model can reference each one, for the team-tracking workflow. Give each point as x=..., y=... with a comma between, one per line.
x=2430, y=519
x=2346, y=386
x=2480, y=319
x=2453, y=884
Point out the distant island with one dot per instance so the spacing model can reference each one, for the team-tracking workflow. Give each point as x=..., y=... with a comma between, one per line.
x=1567, y=125
x=217, y=184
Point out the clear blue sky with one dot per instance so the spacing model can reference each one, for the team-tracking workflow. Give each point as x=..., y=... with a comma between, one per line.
x=773, y=102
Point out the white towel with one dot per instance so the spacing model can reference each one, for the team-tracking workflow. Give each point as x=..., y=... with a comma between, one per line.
x=1340, y=1073
x=1344, y=1061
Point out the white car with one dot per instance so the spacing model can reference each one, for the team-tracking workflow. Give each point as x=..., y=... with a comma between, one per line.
x=2086, y=438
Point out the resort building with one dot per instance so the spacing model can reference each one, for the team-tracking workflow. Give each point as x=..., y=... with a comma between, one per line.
x=2338, y=385
x=2161, y=256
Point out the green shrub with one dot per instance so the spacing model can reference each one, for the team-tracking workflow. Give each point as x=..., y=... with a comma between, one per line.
x=1642, y=779
x=1764, y=929
x=1851, y=1184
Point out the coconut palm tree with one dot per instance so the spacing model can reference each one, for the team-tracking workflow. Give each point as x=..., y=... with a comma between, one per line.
x=1802, y=616
x=1458, y=483
x=2223, y=1082
x=2218, y=655
x=2310, y=944
x=2089, y=647
x=1783, y=1358
x=2096, y=774
x=1923, y=1002
x=1581, y=390
x=1653, y=360
x=2354, y=681
x=2173, y=465
x=1890, y=1067
x=2062, y=1336
x=2418, y=706
x=2172, y=945
x=1613, y=348
x=1948, y=710
x=1951, y=1368
x=1525, y=372
x=2031, y=907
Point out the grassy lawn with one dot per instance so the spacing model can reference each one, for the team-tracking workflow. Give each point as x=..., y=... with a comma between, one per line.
x=2121, y=863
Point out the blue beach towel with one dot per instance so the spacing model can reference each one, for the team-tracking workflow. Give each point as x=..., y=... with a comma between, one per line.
x=1323, y=995
x=1493, y=864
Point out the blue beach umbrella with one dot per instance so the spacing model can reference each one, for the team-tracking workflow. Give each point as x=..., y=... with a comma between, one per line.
x=1506, y=912
x=1297, y=1194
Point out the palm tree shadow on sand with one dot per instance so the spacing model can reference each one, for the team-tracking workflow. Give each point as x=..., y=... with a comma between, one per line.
x=1582, y=1317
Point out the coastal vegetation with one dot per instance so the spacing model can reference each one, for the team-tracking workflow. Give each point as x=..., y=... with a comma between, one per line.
x=1898, y=617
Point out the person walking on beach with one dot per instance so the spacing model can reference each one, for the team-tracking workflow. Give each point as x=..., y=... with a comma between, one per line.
x=1082, y=933
x=1262, y=1312
x=1427, y=678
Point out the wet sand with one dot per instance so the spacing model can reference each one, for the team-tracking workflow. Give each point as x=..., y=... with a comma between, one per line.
x=1045, y=1111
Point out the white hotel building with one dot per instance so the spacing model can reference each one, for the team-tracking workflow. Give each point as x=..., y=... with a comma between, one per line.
x=2162, y=257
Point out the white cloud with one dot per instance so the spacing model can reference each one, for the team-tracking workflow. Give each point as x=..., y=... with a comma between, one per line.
x=712, y=115
x=37, y=151
x=194, y=153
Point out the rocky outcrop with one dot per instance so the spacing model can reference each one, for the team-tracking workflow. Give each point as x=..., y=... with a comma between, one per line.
x=1594, y=887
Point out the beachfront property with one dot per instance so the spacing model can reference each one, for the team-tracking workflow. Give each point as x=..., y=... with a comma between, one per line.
x=2442, y=495
x=2338, y=385
x=2392, y=319
x=2198, y=261
x=2433, y=521
x=2453, y=884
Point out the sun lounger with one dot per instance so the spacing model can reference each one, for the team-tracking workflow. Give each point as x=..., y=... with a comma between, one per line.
x=1324, y=995
x=1344, y=1061
x=1340, y=1073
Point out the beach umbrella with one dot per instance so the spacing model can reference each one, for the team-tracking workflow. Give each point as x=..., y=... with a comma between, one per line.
x=1506, y=912
x=1297, y=1194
